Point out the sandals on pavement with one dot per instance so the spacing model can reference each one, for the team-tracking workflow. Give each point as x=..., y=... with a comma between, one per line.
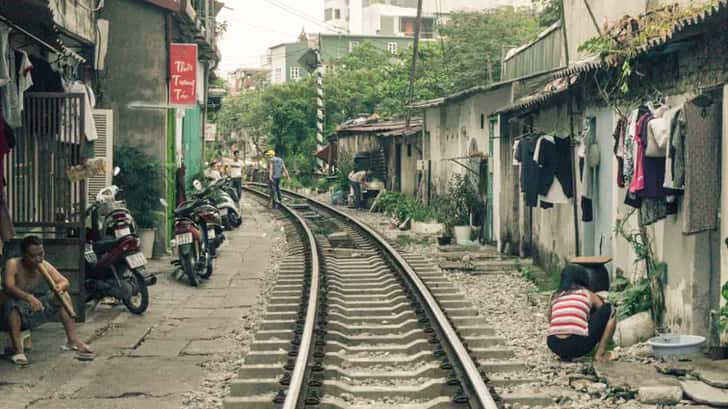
x=19, y=359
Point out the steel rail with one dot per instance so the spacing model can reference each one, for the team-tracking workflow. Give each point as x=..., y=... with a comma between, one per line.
x=298, y=374
x=472, y=374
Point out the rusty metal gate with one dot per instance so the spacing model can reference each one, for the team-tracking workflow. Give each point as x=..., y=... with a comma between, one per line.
x=41, y=198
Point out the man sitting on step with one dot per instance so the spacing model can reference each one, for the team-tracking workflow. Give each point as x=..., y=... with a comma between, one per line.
x=27, y=301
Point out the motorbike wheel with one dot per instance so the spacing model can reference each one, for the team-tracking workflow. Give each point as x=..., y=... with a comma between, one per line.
x=188, y=265
x=236, y=220
x=208, y=269
x=138, y=302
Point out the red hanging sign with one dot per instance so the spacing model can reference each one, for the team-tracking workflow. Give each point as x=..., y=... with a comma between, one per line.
x=182, y=74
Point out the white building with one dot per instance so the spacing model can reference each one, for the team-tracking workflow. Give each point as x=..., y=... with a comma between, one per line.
x=396, y=17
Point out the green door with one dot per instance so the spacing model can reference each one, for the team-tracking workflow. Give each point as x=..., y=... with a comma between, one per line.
x=171, y=170
x=192, y=144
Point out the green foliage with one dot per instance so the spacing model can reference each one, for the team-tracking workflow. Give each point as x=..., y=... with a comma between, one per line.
x=370, y=80
x=475, y=39
x=651, y=289
x=403, y=207
x=551, y=12
x=344, y=166
x=633, y=299
x=141, y=183
x=459, y=202
x=724, y=309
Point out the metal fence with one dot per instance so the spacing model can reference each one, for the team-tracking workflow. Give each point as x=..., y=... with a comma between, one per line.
x=39, y=192
x=41, y=198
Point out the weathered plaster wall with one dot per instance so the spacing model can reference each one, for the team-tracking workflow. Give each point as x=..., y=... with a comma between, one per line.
x=137, y=74
x=76, y=17
x=456, y=131
x=553, y=239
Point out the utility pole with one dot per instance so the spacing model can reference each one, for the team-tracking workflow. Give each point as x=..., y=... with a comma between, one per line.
x=415, y=47
x=319, y=102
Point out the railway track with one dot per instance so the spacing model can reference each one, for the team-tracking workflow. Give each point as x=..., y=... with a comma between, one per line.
x=352, y=323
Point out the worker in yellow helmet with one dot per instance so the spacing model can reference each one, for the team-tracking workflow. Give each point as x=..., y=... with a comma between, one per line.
x=276, y=170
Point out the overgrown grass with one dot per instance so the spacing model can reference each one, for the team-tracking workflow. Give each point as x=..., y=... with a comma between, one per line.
x=544, y=280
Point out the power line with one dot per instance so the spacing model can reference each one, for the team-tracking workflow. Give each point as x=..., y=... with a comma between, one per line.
x=301, y=14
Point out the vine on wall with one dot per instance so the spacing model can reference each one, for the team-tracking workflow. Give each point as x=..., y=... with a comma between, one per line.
x=651, y=289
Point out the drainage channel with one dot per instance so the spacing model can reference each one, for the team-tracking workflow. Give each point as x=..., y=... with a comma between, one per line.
x=384, y=335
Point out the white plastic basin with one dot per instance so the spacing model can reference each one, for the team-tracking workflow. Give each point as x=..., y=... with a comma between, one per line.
x=666, y=345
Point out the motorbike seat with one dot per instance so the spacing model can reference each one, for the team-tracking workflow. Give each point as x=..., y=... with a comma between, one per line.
x=104, y=246
x=186, y=209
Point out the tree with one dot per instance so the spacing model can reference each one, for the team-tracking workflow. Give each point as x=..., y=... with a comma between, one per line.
x=551, y=12
x=370, y=80
x=475, y=41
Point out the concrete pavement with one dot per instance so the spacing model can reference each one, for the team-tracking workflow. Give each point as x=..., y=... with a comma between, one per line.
x=162, y=359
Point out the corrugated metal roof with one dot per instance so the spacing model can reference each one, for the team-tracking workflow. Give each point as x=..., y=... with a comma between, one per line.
x=457, y=96
x=551, y=90
x=586, y=65
x=381, y=127
x=678, y=27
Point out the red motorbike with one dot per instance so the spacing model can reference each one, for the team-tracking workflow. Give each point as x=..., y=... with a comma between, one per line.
x=116, y=267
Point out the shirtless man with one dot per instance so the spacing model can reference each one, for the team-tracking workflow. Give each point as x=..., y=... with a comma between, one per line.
x=27, y=302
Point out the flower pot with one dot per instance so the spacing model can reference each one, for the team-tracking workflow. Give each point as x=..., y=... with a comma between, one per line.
x=462, y=234
x=147, y=238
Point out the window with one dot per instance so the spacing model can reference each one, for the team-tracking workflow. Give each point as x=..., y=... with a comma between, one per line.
x=482, y=121
x=295, y=73
x=337, y=14
x=327, y=14
x=409, y=150
x=353, y=45
x=392, y=47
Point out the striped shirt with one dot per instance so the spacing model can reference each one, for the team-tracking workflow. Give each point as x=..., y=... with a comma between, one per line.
x=570, y=313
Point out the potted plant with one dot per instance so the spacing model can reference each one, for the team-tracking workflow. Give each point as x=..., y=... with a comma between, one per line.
x=457, y=204
x=140, y=181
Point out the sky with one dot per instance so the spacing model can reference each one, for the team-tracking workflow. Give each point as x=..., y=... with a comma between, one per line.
x=256, y=25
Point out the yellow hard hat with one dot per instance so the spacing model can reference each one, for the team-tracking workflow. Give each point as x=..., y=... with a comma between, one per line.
x=270, y=153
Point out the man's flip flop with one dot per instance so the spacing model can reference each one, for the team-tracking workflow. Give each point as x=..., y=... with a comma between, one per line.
x=85, y=356
x=19, y=359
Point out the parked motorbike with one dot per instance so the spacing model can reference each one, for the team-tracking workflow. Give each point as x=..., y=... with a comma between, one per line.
x=116, y=268
x=111, y=218
x=196, y=227
x=218, y=195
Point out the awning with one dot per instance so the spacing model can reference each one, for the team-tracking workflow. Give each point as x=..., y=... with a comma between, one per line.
x=323, y=153
x=35, y=20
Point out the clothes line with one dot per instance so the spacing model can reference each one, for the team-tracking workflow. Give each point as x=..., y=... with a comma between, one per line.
x=38, y=40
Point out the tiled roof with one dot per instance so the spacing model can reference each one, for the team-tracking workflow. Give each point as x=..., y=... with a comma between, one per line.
x=381, y=127
x=547, y=93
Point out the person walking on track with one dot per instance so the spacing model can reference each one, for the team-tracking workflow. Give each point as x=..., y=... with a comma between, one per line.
x=276, y=170
x=236, y=172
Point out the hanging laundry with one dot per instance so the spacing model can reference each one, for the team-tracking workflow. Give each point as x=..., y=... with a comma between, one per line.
x=653, y=210
x=89, y=102
x=675, y=158
x=25, y=77
x=4, y=49
x=45, y=79
x=515, y=152
x=618, y=148
x=529, y=169
x=640, y=139
x=555, y=176
x=702, y=168
x=8, y=79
